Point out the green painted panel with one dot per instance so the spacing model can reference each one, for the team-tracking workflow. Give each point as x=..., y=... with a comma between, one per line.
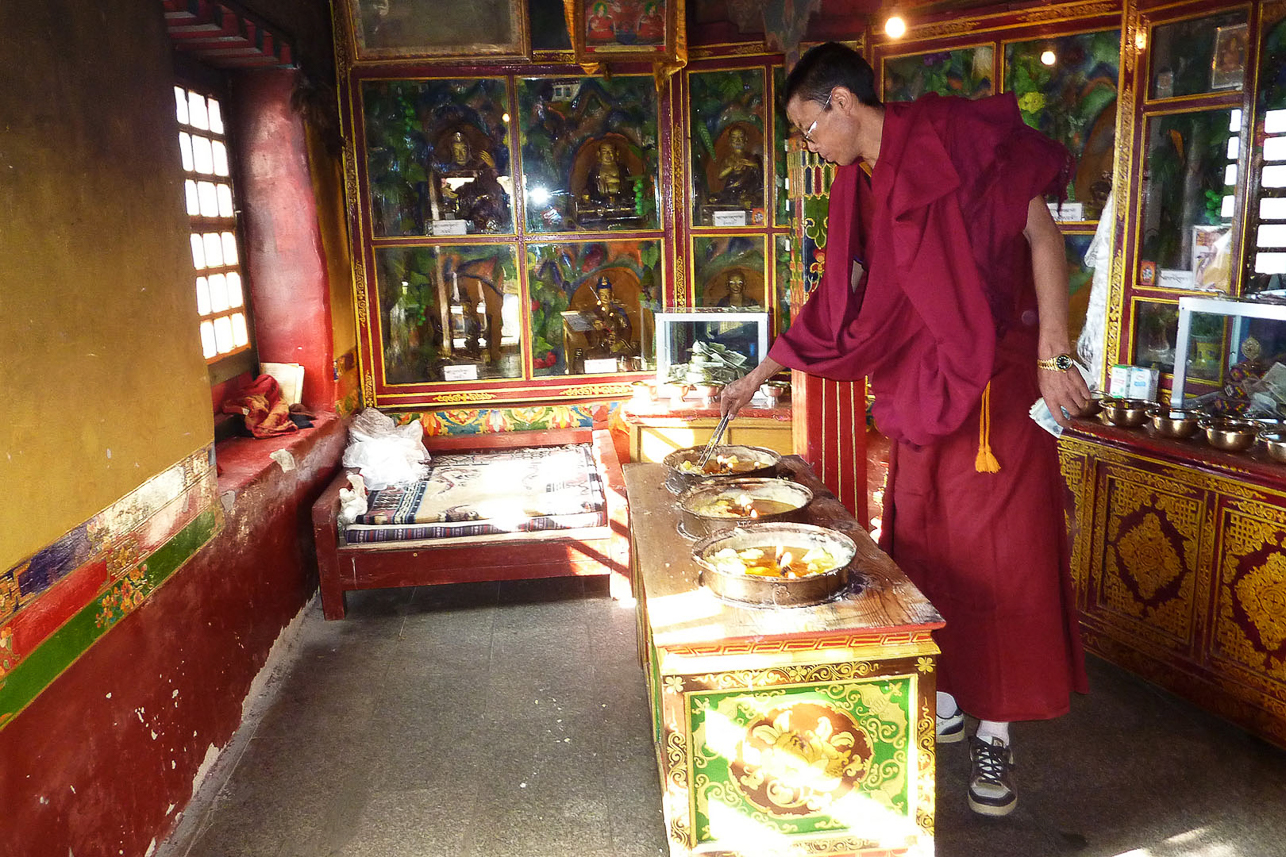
x=804, y=761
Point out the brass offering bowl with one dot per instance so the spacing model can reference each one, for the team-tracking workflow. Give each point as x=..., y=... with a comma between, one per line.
x=695, y=524
x=775, y=391
x=1229, y=434
x=757, y=591
x=764, y=464
x=1275, y=442
x=1094, y=406
x=1126, y=413
x=1174, y=422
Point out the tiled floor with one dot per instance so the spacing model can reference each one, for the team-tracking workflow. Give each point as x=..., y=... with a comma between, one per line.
x=510, y=720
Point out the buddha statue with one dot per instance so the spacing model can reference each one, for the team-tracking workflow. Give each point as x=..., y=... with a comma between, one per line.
x=614, y=332
x=467, y=187
x=607, y=177
x=736, y=296
x=742, y=173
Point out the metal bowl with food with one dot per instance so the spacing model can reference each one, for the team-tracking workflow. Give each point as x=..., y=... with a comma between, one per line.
x=776, y=564
x=722, y=504
x=727, y=460
x=1174, y=422
x=1229, y=434
x=1274, y=442
x=1126, y=413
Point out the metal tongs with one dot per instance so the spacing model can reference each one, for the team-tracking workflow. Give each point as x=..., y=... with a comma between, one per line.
x=714, y=440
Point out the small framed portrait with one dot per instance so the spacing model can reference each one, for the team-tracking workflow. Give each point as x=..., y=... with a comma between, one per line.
x=396, y=29
x=1228, y=68
x=626, y=30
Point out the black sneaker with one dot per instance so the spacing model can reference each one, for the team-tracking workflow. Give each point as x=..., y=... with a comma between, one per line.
x=950, y=730
x=991, y=786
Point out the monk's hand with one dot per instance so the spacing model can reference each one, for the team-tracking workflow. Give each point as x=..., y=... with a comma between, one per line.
x=737, y=395
x=1063, y=388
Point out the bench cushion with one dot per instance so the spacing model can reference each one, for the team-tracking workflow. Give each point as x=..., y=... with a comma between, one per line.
x=483, y=493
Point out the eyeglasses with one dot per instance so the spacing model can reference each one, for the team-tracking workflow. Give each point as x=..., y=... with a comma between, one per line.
x=808, y=135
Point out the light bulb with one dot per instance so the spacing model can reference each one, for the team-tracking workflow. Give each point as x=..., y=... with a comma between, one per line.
x=895, y=27
x=1049, y=57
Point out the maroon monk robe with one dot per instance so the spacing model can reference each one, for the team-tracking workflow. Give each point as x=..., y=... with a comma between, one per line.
x=946, y=305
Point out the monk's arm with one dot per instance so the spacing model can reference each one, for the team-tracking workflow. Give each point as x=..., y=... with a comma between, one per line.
x=738, y=394
x=1049, y=269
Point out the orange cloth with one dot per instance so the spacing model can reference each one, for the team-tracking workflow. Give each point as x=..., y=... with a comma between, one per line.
x=266, y=412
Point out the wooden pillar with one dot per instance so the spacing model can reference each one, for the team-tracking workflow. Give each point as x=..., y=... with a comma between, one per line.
x=830, y=434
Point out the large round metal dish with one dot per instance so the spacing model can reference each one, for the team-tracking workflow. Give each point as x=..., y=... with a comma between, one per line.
x=775, y=591
x=696, y=524
x=757, y=462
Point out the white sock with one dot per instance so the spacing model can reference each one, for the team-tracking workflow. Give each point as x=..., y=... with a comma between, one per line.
x=988, y=730
x=946, y=705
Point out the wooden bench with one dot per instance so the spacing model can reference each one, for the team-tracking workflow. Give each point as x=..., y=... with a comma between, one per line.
x=601, y=550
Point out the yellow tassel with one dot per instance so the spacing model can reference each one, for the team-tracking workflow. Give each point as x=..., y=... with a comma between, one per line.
x=985, y=462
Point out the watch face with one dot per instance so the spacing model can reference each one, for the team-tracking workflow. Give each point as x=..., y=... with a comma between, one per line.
x=1063, y=362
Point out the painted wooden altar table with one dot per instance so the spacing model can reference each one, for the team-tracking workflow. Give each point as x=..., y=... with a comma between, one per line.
x=785, y=731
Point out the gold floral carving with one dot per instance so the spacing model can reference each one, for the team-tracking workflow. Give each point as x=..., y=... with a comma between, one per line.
x=1149, y=558
x=1262, y=593
x=1259, y=591
x=960, y=25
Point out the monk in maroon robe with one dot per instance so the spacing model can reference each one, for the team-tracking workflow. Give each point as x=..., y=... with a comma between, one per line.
x=946, y=284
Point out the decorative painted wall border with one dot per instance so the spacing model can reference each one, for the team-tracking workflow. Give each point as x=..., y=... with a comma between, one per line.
x=59, y=601
x=469, y=421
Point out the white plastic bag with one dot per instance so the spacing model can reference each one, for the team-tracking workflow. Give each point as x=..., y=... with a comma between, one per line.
x=384, y=452
x=352, y=500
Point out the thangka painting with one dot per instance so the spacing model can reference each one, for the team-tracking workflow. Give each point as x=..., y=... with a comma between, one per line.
x=384, y=29
x=618, y=30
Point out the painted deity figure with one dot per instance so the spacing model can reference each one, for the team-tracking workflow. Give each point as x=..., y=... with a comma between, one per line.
x=742, y=173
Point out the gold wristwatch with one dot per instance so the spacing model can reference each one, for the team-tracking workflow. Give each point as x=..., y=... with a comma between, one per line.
x=1058, y=363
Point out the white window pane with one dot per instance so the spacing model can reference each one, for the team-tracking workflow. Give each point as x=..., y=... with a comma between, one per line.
x=196, y=111
x=1234, y=147
x=216, y=116
x=1275, y=149
x=239, y=335
x=202, y=296
x=1270, y=263
x=181, y=104
x=198, y=252
x=194, y=201
x=223, y=334
x=209, y=199
x=235, y=297
x=1275, y=122
x=1271, y=235
x=213, y=250
x=1274, y=176
x=185, y=150
x=1225, y=210
x=1230, y=175
x=220, y=152
x=1234, y=121
x=225, y=201
x=202, y=156
x=229, y=249
x=1272, y=208
x=218, y=293
x=207, y=340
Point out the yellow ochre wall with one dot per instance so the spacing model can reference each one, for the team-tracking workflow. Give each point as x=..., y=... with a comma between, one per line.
x=102, y=382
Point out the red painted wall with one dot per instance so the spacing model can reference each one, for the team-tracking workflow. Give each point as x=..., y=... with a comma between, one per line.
x=93, y=764
x=290, y=287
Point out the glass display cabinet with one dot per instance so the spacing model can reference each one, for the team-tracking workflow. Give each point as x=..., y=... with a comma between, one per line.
x=1176, y=543
x=709, y=346
x=1239, y=344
